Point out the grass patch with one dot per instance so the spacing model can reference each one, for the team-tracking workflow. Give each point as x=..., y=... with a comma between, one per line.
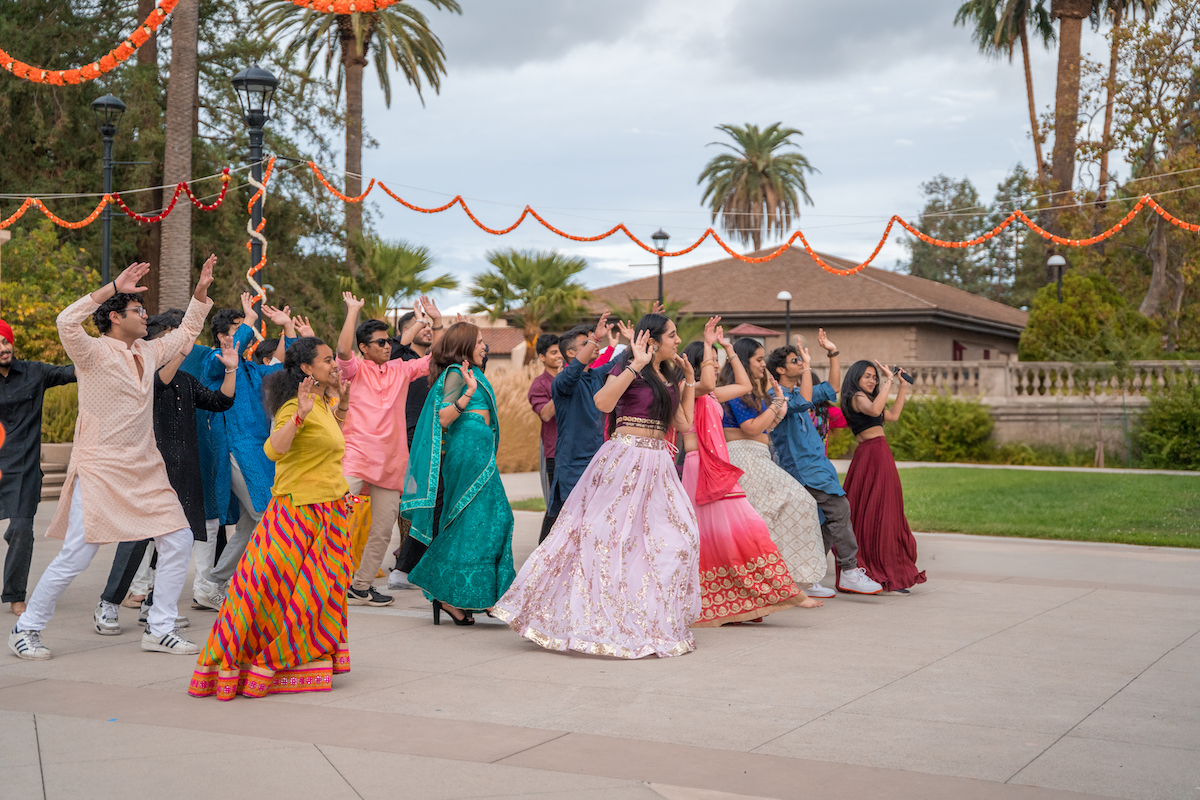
x=1162, y=510
x=529, y=504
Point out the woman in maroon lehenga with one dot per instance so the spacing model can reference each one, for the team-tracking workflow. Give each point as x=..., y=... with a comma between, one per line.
x=887, y=549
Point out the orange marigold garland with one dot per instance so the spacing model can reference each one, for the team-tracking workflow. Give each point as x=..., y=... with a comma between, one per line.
x=107, y=63
x=346, y=6
x=260, y=294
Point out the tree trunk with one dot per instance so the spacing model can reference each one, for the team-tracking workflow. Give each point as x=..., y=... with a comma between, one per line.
x=149, y=236
x=353, y=63
x=1033, y=121
x=175, y=264
x=1106, y=138
x=1070, y=14
x=1157, y=293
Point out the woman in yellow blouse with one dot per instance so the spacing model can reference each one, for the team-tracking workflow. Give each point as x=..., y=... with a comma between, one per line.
x=283, y=625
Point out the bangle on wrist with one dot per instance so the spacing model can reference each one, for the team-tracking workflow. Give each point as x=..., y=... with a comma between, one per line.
x=834, y=353
x=230, y=369
x=689, y=384
x=636, y=373
x=436, y=327
x=298, y=420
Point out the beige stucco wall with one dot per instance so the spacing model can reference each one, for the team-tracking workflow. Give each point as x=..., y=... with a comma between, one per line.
x=935, y=343
x=887, y=343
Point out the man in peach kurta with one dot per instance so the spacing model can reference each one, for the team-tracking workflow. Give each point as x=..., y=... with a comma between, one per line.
x=116, y=488
x=376, y=432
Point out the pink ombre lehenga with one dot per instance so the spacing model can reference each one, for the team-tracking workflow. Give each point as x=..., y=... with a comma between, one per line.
x=617, y=575
x=742, y=574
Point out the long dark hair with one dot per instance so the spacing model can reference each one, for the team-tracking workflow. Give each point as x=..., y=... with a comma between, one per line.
x=662, y=407
x=456, y=346
x=850, y=385
x=744, y=349
x=282, y=385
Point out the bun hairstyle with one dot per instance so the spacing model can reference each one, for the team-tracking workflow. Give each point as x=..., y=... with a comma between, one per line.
x=283, y=385
x=456, y=346
x=745, y=349
x=850, y=384
x=662, y=407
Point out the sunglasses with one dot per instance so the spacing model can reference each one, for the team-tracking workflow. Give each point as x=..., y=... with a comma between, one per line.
x=380, y=342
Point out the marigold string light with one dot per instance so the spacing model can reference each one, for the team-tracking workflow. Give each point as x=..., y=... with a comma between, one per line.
x=256, y=235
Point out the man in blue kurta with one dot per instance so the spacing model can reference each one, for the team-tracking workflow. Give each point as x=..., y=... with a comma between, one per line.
x=800, y=450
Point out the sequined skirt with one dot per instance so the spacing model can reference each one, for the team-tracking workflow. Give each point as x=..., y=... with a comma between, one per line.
x=619, y=573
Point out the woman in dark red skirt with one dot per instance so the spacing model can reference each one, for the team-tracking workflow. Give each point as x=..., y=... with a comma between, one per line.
x=886, y=547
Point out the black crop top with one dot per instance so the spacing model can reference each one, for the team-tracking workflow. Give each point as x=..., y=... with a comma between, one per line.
x=859, y=421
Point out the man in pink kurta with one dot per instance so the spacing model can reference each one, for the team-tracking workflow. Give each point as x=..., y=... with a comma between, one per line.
x=376, y=432
x=116, y=488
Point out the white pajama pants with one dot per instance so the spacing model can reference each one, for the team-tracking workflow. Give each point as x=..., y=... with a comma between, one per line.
x=174, y=552
x=204, y=553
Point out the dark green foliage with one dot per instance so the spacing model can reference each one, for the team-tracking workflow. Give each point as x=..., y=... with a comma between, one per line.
x=1092, y=323
x=941, y=429
x=1169, y=433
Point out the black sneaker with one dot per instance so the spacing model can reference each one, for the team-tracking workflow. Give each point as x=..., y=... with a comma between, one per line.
x=369, y=597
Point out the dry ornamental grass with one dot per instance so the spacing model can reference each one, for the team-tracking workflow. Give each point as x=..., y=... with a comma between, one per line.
x=520, y=428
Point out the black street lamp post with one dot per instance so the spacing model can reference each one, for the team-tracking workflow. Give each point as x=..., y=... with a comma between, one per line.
x=108, y=110
x=255, y=90
x=786, y=297
x=660, y=238
x=1058, y=262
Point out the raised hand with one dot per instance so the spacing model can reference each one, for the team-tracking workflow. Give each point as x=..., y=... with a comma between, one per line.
x=776, y=390
x=724, y=342
x=303, y=326
x=353, y=303
x=613, y=338
x=343, y=395
x=469, y=377
x=689, y=373
x=657, y=308
x=431, y=310
x=228, y=355
x=805, y=356
x=823, y=340
x=127, y=281
x=206, y=274
x=883, y=374
x=306, y=395
x=710, y=330
x=626, y=329
x=460, y=318
x=640, y=347
x=248, y=308
x=280, y=316
x=602, y=327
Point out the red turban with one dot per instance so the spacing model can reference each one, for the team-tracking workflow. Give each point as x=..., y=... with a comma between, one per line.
x=6, y=331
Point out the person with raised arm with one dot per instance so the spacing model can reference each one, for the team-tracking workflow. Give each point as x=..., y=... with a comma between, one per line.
x=801, y=451
x=887, y=550
x=618, y=574
x=743, y=577
x=117, y=489
x=376, y=432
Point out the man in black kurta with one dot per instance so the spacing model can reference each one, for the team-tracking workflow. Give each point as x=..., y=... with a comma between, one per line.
x=23, y=387
x=177, y=396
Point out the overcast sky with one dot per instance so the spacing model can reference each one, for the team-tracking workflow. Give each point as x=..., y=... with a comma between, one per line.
x=600, y=112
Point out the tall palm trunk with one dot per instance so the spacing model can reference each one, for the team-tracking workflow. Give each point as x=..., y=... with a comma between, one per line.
x=175, y=262
x=1106, y=140
x=1070, y=14
x=1033, y=120
x=149, y=237
x=353, y=62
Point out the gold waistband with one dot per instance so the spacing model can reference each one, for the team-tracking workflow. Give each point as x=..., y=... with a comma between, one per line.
x=642, y=422
x=647, y=442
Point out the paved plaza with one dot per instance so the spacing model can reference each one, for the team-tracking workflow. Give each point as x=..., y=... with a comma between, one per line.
x=1022, y=669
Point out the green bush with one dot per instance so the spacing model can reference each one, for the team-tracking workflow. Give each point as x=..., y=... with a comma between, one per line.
x=59, y=413
x=1169, y=433
x=1092, y=323
x=840, y=443
x=1041, y=455
x=942, y=429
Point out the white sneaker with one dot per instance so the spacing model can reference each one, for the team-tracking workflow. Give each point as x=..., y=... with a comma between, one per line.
x=855, y=581
x=28, y=645
x=399, y=580
x=208, y=598
x=105, y=616
x=169, y=643
x=817, y=590
x=182, y=622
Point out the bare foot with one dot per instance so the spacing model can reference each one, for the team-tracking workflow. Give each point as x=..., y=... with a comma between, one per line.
x=812, y=602
x=454, y=612
x=17, y=608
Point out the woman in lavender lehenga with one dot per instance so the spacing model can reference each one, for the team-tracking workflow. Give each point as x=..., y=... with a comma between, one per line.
x=619, y=573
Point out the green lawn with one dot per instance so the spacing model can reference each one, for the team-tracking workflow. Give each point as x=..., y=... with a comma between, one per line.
x=532, y=504
x=1132, y=509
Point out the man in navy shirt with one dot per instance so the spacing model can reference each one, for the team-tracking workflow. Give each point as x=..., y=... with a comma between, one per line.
x=800, y=450
x=580, y=423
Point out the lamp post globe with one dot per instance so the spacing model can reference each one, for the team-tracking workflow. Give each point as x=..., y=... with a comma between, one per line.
x=786, y=298
x=1057, y=262
x=108, y=111
x=255, y=88
x=660, y=238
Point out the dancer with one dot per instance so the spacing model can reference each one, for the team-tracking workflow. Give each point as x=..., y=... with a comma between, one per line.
x=23, y=386
x=801, y=452
x=177, y=397
x=468, y=564
x=282, y=627
x=887, y=549
x=618, y=575
x=541, y=400
x=743, y=578
x=376, y=434
x=115, y=463
x=789, y=512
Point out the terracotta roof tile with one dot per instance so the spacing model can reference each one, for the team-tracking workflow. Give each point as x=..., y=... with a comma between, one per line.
x=502, y=341
x=746, y=329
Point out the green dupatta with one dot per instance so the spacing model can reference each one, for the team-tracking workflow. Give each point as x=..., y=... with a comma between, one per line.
x=425, y=462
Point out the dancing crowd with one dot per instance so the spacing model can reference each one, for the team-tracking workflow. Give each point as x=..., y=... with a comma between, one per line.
x=685, y=486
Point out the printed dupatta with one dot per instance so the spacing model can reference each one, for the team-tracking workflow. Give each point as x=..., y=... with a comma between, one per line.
x=425, y=462
x=717, y=477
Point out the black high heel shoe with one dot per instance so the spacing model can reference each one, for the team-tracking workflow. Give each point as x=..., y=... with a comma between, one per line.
x=437, y=615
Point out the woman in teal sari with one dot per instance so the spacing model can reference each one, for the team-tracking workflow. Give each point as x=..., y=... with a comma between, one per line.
x=469, y=564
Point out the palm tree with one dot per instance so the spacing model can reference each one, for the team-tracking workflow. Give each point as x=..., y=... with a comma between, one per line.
x=536, y=289
x=175, y=254
x=998, y=26
x=401, y=35
x=1070, y=15
x=689, y=326
x=1115, y=11
x=392, y=272
x=756, y=186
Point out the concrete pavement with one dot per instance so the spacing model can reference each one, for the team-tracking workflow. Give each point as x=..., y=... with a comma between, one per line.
x=1022, y=669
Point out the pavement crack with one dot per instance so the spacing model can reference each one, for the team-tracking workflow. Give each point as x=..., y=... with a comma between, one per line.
x=37, y=740
x=1102, y=705
x=338, y=771
x=531, y=747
